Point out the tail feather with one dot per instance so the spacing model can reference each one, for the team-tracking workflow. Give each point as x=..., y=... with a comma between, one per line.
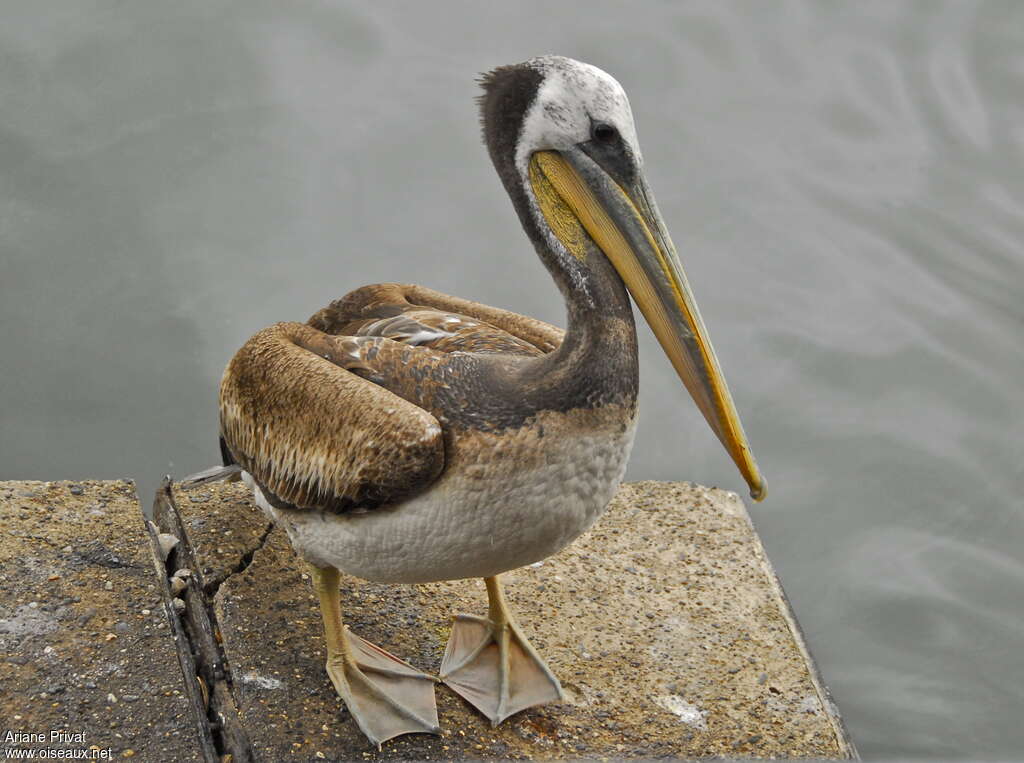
x=230, y=473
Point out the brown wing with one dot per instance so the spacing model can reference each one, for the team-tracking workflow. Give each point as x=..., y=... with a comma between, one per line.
x=316, y=435
x=413, y=312
x=300, y=413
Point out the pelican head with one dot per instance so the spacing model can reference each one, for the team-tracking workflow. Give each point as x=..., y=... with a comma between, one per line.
x=562, y=138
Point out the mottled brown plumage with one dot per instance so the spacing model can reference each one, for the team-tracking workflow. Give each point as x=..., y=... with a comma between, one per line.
x=343, y=412
x=404, y=435
x=505, y=330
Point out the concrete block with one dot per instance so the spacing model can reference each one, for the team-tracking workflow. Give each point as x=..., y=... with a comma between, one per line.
x=665, y=623
x=87, y=655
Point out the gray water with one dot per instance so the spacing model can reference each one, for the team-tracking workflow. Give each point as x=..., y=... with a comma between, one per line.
x=844, y=181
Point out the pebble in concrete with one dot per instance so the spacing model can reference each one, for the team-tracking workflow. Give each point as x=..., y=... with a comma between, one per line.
x=86, y=655
x=665, y=624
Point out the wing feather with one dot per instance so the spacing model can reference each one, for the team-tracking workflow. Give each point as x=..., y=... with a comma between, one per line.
x=371, y=308
x=541, y=335
x=317, y=435
x=315, y=412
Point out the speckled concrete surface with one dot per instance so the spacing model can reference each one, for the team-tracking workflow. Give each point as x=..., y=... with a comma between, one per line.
x=85, y=646
x=664, y=623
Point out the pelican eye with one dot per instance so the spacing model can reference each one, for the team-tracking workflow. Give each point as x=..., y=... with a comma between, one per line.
x=604, y=133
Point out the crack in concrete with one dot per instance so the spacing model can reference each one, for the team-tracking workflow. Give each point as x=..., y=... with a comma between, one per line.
x=212, y=587
x=201, y=633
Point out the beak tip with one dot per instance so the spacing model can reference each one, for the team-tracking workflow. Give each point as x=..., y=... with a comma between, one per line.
x=759, y=491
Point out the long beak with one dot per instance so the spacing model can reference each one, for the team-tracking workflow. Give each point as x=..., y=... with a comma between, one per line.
x=626, y=225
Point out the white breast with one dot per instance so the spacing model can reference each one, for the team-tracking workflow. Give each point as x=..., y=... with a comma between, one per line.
x=503, y=502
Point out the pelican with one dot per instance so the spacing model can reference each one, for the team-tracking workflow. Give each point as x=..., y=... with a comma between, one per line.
x=403, y=435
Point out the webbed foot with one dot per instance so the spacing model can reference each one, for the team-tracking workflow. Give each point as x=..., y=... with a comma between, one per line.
x=491, y=664
x=385, y=695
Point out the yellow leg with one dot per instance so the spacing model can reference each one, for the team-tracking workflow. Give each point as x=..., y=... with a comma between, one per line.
x=491, y=664
x=385, y=695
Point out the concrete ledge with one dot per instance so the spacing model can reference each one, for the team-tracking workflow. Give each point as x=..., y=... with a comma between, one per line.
x=85, y=644
x=665, y=623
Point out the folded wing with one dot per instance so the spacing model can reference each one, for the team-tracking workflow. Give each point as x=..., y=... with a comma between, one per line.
x=300, y=409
